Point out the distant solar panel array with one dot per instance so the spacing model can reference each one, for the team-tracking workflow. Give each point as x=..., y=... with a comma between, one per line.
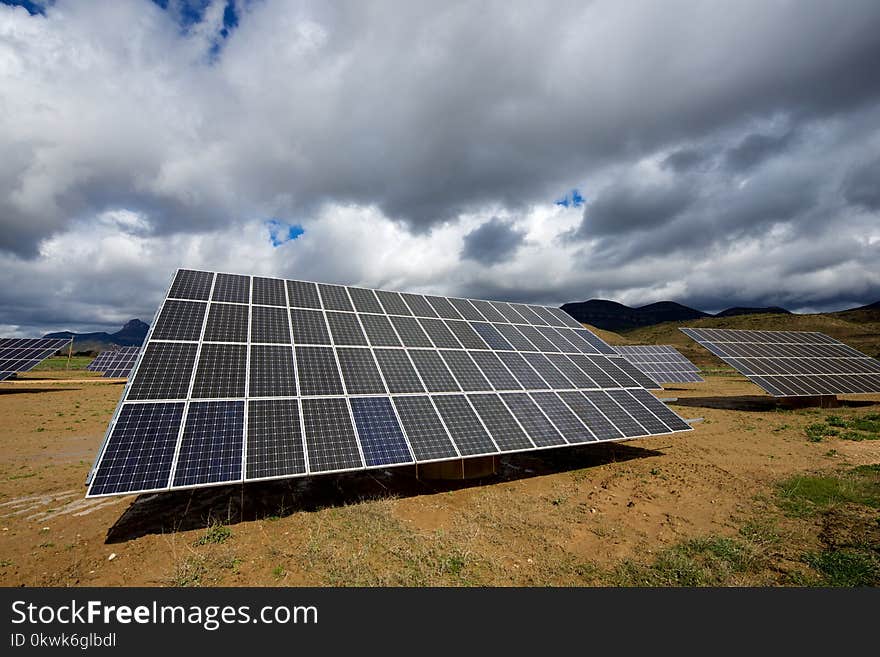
x=662, y=363
x=793, y=363
x=247, y=378
x=115, y=363
x=24, y=354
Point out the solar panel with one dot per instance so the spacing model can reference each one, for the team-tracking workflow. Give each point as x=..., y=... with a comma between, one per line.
x=246, y=378
x=23, y=354
x=116, y=363
x=662, y=363
x=793, y=363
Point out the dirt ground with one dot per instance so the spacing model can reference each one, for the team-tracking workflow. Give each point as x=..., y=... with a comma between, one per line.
x=590, y=515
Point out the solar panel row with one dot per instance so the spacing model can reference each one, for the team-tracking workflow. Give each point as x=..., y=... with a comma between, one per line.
x=662, y=363
x=290, y=437
x=296, y=378
x=792, y=363
x=23, y=354
x=115, y=364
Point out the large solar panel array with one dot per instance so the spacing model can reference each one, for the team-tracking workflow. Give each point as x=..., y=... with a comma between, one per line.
x=24, y=354
x=663, y=363
x=793, y=363
x=247, y=378
x=115, y=363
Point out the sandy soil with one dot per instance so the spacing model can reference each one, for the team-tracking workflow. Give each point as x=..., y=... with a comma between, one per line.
x=548, y=518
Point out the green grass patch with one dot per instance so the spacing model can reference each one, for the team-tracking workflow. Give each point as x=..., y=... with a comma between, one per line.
x=711, y=561
x=803, y=495
x=216, y=534
x=818, y=430
x=55, y=363
x=866, y=427
x=847, y=567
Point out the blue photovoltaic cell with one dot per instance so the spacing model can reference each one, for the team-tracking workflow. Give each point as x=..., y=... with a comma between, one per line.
x=382, y=440
x=140, y=449
x=210, y=451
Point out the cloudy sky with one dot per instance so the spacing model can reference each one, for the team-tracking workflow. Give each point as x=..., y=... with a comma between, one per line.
x=711, y=153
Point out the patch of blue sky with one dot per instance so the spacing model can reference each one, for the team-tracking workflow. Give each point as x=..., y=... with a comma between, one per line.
x=281, y=232
x=571, y=200
x=32, y=7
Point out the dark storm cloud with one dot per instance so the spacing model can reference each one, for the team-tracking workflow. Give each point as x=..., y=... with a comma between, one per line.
x=627, y=207
x=468, y=117
x=694, y=130
x=493, y=242
x=686, y=159
x=861, y=187
x=756, y=148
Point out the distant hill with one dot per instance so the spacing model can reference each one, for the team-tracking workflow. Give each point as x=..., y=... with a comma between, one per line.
x=870, y=306
x=613, y=316
x=740, y=310
x=132, y=334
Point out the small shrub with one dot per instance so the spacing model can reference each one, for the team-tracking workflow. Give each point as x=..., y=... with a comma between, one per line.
x=216, y=533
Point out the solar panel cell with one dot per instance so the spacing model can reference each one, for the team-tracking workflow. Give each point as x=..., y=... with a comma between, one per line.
x=398, y=371
x=232, y=288
x=211, y=446
x=433, y=371
x=309, y=327
x=274, y=440
x=141, y=450
x=164, y=372
x=440, y=335
x=359, y=372
x=411, y=332
x=268, y=292
x=221, y=371
x=364, y=300
x=301, y=294
x=530, y=417
x=272, y=372
x=190, y=284
x=424, y=429
x=468, y=338
x=495, y=371
x=227, y=322
x=330, y=439
x=418, y=305
x=379, y=331
x=318, y=371
x=465, y=371
x=566, y=422
x=392, y=303
x=180, y=320
x=464, y=426
x=381, y=437
x=334, y=297
x=270, y=325
x=502, y=425
x=346, y=329
x=491, y=336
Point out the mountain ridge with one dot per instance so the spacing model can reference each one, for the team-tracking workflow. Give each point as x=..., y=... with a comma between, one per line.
x=132, y=334
x=614, y=316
